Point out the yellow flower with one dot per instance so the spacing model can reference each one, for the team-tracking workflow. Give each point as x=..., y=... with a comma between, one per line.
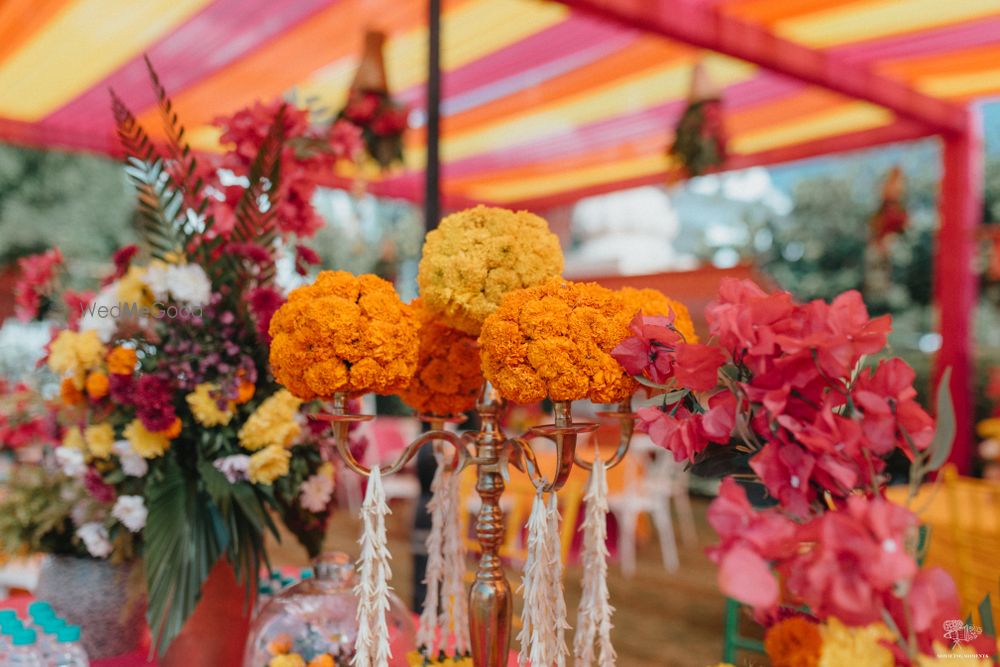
x=73, y=438
x=989, y=428
x=322, y=660
x=100, y=438
x=654, y=302
x=268, y=464
x=289, y=660
x=204, y=405
x=145, y=443
x=844, y=645
x=343, y=333
x=478, y=255
x=133, y=289
x=325, y=469
x=272, y=423
x=74, y=353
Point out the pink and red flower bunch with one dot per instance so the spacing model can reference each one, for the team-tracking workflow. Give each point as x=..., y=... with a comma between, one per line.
x=25, y=419
x=382, y=122
x=36, y=283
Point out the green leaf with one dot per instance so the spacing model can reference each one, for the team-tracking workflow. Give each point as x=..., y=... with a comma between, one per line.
x=986, y=616
x=944, y=436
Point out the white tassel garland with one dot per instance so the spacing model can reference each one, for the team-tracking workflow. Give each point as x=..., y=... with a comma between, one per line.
x=593, y=621
x=453, y=589
x=371, y=647
x=543, y=617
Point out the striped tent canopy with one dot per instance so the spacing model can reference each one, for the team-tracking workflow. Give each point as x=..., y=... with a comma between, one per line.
x=543, y=102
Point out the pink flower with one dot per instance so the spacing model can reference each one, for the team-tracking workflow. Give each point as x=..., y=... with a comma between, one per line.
x=122, y=259
x=649, y=350
x=76, y=303
x=786, y=471
x=264, y=303
x=304, y=257
x=675, y=429
x=95, y=485
x=887, y=400
x=153, y=403
x=346, y=141
x=361, y=107
x=720, y=418
x=697, y=366
x=37, y=280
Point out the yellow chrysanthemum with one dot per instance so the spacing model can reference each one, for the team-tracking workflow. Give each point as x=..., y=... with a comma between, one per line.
x=204, y=404
x=272, y=423
x=448, y=374
x=654, y=302
x=74, y=353
x=555, y=340
x=145, y=443
x=268, y=464
x=132, y=289
x=844, y=645
x=477, y=256
x=288, y=660
x=73, y=438
x=99, y=438
x=343, y=333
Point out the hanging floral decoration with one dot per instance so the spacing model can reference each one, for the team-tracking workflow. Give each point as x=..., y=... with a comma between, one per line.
x=371, y=108
x=891, y=217
x=699, y=145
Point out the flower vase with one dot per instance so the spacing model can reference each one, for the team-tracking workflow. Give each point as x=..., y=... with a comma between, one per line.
x=104, y=599
x=214, y=635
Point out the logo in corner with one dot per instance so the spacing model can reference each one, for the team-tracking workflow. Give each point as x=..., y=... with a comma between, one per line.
x=960, y=632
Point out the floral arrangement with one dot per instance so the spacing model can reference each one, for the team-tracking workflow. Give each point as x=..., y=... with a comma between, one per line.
x=172, y=423
x=699, y=145
x=25, y=417
x=35, y=513
x=478, y=255
x=448, y=375
x=654, y=302
x=36, y=283
x=343, y=333
x=382, y=122
x=555, y=340
x=286, y=653
x=782, y=396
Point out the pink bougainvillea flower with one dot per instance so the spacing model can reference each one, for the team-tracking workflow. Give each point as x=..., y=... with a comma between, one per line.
x=887, y=401
x=746, y=577
x=720, y=418
x=786, y=471
x=675, y=429
x=649, y=351
x=697, y=366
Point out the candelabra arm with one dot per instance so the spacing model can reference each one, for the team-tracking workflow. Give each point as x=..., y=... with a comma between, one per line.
x=626, y=420
x=563, y=433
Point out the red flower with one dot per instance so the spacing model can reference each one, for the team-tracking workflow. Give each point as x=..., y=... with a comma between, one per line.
x=697, y=366
x=720, y=418
x=305, y=256
x=649, y=350
x=676, y=430
x=120, y=389
x=346, y=141
x=37, y=280
x=76, y=303
x=391, y=121
x=362, y=107
x=264, y=303
x=786, y=471
x=250, y=251
x=95, y=485
x=887, y=401
x=122, y=259
x=153, y=403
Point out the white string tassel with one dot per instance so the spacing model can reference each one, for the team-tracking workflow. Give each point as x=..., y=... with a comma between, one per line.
x=593, y=621
x=430, y=627
x=456, y=601
x=541, y=625
x=371, y=647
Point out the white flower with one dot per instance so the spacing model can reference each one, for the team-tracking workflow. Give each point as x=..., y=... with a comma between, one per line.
x=233, y=467
x=70, y=462
x=104, y=326
x=131, y=511
x=157, y=279
x=95, y=538
x=132, y=463
x=189, y=284
x=316, y=492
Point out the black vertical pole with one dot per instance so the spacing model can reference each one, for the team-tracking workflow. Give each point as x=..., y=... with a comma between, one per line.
x=432, y=212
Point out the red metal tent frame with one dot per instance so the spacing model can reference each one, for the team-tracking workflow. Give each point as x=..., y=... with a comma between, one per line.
x=955, y=285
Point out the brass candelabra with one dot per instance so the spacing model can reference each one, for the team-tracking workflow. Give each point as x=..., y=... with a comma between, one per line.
x=491, y=451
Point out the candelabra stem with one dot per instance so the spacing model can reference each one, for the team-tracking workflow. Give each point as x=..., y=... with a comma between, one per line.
x=490, y=599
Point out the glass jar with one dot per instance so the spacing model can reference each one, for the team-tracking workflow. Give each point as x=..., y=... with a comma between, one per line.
x=318, y=617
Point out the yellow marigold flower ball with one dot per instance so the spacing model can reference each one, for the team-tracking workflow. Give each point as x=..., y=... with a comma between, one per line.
x=268, y=464
x=322, y=660
x=97, y=385
x=654, y=302
x=145, y=443
x=477, y=256
x=555, y=340
x=448, y=374
x=121, y=360
x=845, y=645
x=69, y=393
x=74, y=353
x=287, y=660
x=343, y=333
x=272, y=423
x=99, y=438
x=204, y=404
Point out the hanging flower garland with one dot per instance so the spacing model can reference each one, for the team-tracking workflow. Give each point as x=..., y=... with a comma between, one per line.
x=371, y=647
x=593, y=620
x=699, y=145
x=543, y=617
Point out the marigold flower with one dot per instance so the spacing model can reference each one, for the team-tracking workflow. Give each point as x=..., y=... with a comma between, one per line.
x=97, y=385
x=121, y=360
x=794, y=642
x=555, y=340
x=245, y=392
x=272, y=423
x=280, y=645
x=477, y=256
x=174, y=430
x=654, y=302
x=343, y=333
x=862, y=645
x=70, y=393
x=322, y=660
x=132, y=288
x=204, y=404
x=287, y=660
x=100, y=438
x=145, y=443
x=268, y=464
x=74, y=353
x=448, y=374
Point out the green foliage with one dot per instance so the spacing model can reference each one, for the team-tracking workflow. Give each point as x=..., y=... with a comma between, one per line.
x=35, y=513
x=308, y=527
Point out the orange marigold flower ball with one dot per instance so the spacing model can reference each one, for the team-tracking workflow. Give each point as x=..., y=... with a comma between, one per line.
x=343, y=333
x=97, y=385
x=448, y=374
x=654, y=302
x=555, y=340
x=70, y=393
x=477, y=256
x=121, y=361
x=793, y=642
